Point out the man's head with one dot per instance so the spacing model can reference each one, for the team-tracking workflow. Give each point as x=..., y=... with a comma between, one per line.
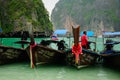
x=85, y=32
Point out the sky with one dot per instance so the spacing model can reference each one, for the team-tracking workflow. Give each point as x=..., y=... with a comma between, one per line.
x=49, y=5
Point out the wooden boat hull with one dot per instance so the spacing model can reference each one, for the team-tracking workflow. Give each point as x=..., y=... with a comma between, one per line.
x=11, y=55
x=43, y=54
x=48, y=55
x=112, y=60
x=87, y=58
x=111, y=57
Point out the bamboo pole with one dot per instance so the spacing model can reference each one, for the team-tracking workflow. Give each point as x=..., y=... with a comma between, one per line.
x=31, y=43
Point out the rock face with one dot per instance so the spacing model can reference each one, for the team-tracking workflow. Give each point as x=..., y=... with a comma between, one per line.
x=11, y=55
x=89, y=14
x=16, y=15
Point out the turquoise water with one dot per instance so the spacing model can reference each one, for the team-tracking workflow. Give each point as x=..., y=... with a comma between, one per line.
x=10, y=42
x=22, y=71
x=69, y=41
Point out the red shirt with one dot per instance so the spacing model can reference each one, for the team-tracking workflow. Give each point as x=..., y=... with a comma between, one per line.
x=84, y=40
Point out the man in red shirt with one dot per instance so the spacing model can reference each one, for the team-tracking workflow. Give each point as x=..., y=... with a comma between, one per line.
x=84, y=40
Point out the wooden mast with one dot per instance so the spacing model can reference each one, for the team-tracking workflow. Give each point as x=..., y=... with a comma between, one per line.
x=76, y=32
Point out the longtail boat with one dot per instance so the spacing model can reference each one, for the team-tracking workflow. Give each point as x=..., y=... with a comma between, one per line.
x=88, y=56
x=43, y=53
x=110, y=56
x=12, y=54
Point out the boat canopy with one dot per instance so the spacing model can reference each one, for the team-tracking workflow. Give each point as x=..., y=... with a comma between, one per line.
x=89, y=33
x=111, y=34
x=60, y=32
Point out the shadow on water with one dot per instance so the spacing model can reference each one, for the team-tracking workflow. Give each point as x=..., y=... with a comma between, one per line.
x=49, y=66
x=117, y=69
x=67, y=67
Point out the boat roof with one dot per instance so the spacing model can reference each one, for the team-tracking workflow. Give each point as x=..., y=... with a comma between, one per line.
x=111, y=33
x=60, y=32
x=89, y=33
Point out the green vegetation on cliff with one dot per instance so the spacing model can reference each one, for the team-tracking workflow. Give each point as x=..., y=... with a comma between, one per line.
x=16, y=14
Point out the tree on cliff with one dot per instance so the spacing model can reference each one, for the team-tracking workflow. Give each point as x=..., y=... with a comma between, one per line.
x=15, y=14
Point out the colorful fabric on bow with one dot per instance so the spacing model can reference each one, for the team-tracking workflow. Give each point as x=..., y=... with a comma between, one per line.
x=77, y=50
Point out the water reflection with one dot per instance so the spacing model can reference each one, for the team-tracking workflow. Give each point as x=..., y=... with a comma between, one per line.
x=22, y=71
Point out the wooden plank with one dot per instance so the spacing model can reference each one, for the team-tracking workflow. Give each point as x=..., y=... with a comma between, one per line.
x=82, y=66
